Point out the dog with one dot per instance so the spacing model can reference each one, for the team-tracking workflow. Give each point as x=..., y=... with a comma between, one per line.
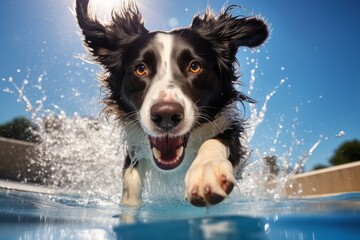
x=174, y=94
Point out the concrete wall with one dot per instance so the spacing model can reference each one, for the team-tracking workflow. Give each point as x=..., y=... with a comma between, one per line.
x=15, y=158
x=332, y=180
x=15, y=165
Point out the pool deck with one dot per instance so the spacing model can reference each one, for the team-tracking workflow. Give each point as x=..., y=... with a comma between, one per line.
x=26, y=187
x=15, y=157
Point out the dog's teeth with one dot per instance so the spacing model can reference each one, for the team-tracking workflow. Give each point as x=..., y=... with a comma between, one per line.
x=157, y=153
x=179, y=151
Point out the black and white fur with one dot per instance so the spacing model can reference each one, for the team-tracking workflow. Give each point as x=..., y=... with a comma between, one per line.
x=174, y=93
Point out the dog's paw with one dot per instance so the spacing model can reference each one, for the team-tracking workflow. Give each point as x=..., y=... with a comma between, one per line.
x=209, y=182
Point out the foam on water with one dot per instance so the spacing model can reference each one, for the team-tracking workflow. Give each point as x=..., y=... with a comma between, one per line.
x=86, y=154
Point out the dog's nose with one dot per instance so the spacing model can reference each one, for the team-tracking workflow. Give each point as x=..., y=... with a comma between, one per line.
x=167, y=115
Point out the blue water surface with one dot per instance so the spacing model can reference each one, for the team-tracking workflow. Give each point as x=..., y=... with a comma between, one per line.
x=29, y=215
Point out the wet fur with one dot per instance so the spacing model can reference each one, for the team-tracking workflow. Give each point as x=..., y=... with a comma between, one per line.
x=215, y=39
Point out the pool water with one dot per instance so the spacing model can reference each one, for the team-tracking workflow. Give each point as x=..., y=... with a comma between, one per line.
x=30, y=215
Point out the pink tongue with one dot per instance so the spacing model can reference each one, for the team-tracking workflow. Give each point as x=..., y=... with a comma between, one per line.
x=167, y=146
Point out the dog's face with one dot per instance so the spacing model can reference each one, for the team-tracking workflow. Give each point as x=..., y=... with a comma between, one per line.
x=170, y=82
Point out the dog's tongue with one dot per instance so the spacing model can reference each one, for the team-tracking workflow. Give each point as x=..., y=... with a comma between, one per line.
x=167, y=147
x=168, y=151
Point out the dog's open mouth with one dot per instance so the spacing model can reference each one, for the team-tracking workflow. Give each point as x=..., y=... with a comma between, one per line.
x=168, y=151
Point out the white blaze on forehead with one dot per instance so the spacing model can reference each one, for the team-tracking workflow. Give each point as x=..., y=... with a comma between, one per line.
x=165, y=44
x=158, y=90
x=162, y=87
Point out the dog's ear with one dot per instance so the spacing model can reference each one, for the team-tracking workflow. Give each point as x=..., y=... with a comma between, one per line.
x=227, y=33
x=105, y=41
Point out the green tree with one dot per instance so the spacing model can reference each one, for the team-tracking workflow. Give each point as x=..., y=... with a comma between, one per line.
x=19, y=128
x=347, y=152
x=271, y=162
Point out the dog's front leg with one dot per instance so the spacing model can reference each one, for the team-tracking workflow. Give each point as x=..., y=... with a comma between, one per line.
x=210, y=177
x=131, y=195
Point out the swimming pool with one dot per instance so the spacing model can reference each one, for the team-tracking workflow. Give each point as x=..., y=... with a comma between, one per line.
x=30, y=215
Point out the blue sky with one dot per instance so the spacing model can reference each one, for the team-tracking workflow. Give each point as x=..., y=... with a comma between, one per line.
x=314, y=48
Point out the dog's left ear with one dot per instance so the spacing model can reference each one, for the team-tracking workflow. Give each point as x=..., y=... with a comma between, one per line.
x=227, y=33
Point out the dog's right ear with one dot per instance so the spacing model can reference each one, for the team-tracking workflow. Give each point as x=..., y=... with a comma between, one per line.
x=106, y=42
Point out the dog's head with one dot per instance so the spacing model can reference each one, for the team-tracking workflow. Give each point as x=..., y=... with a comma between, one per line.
x=170, y=82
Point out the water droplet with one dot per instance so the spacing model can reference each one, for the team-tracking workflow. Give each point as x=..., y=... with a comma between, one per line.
x=7, y=90
x=267, y=227
x=340, y=134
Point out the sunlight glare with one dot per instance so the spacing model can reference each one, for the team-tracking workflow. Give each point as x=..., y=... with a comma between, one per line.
x=103, y=8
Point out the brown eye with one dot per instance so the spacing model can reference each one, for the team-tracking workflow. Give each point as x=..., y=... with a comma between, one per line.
x=195, y=67
x=140, y=70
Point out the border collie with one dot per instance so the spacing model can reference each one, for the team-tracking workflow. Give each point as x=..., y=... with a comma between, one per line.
x=175, y=96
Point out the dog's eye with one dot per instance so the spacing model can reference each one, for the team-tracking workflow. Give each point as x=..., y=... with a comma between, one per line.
x=140, y=70
x=195, y=67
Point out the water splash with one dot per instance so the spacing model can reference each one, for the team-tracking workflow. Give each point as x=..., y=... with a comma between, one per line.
x=256, y=116
x=268, y=180
x=85, y=153
x=76, y=153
